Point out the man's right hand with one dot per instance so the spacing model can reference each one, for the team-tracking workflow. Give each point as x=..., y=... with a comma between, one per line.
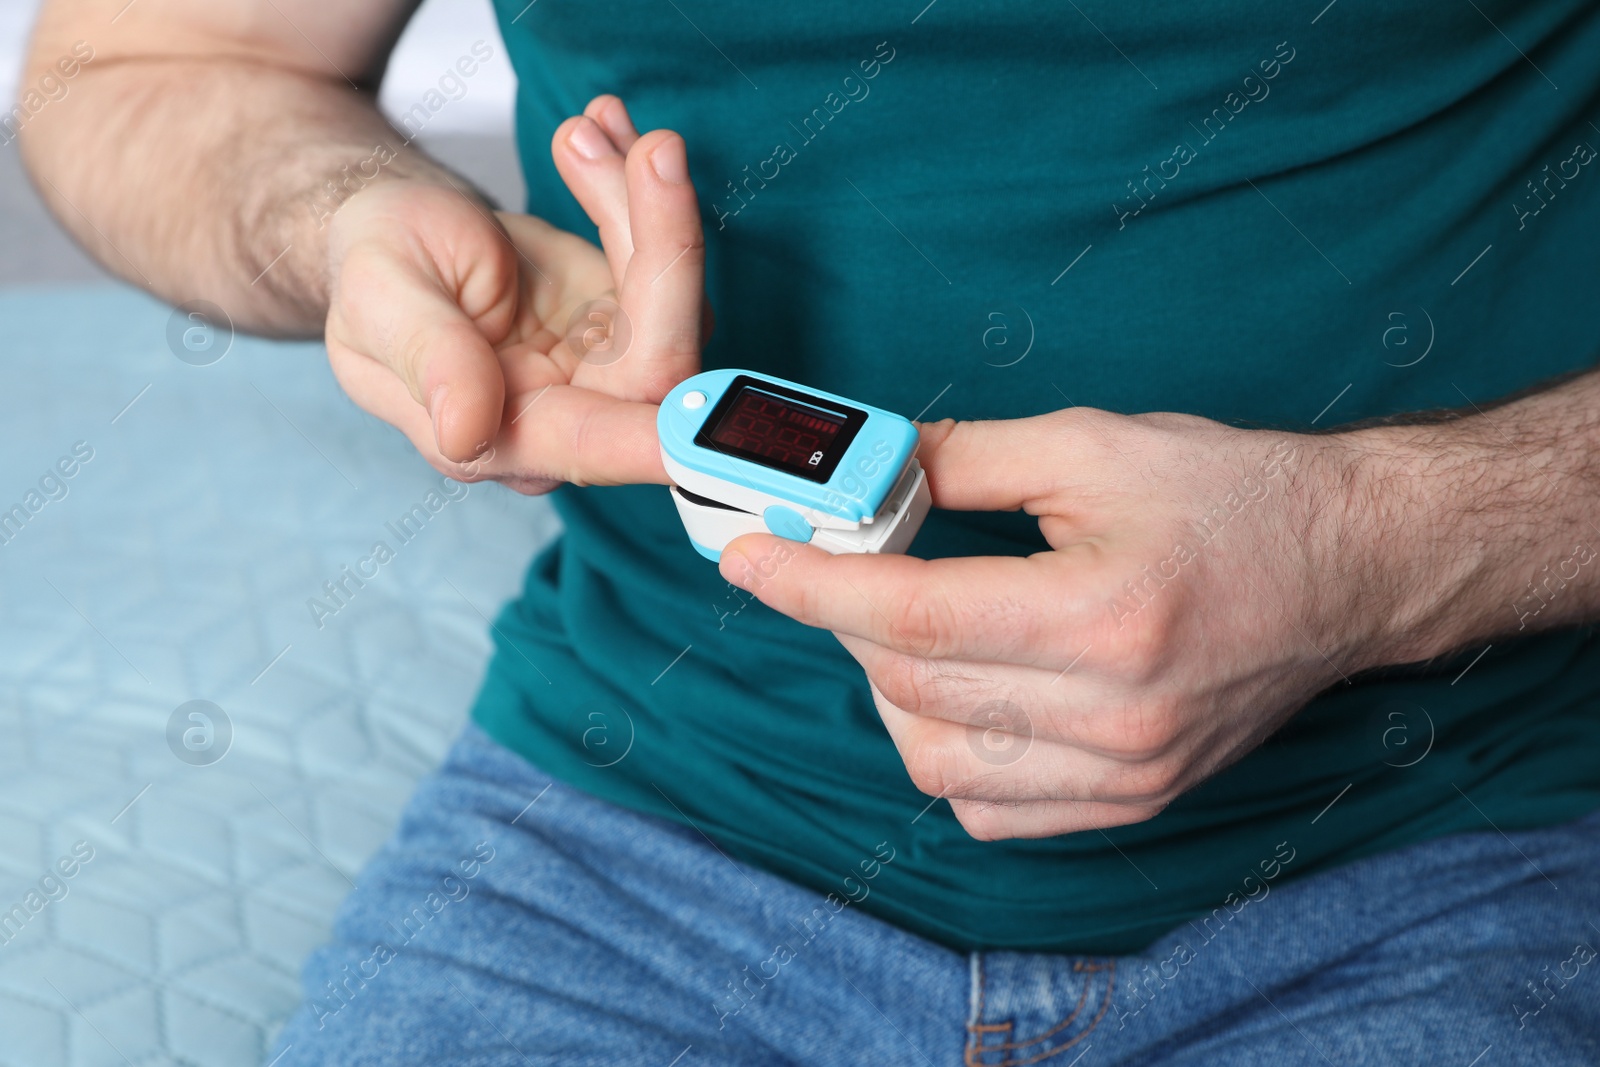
x=458, y=326
x=192, y=158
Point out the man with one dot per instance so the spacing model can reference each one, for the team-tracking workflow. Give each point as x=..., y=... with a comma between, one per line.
x=1205, y=736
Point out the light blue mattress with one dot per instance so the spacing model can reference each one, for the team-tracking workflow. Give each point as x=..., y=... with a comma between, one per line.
x=175, y=565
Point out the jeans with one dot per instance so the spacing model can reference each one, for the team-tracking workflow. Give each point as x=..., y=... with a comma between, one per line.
x=514, y=921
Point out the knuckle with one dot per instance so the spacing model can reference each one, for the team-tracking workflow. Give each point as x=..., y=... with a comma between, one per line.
x=1042, y=635
x=907, y=682
x=1092, y=419
x=1106, y=816
x=921, y=617
x=1139, y=731
x=935, y=435
x=1140, y=645
x=690, y=243
x=1094, y=431
x=407, y=358
x=679, y=342
x=1148, y=731
x=803, y=595
x=1164, y=782
x=582, y=443
x=1149, y=782
x=933, y=770
x=983, y=821
x=1146, y=812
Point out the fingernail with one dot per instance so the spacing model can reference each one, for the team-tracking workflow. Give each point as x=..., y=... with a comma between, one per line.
x=590, y=142
x=669, y=162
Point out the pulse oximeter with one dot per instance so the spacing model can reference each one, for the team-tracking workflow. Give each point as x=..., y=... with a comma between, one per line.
x=748, y=453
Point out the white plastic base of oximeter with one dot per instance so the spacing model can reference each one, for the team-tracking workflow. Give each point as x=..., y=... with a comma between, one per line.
x=892, y=531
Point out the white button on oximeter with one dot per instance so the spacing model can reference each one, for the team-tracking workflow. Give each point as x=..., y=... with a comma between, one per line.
x=752, y=454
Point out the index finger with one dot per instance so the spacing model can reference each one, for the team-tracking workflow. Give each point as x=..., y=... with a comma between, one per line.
x=990, y=608
x=664, y=289
x=560, y=433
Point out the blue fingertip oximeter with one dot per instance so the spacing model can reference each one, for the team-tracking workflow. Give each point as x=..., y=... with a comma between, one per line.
x=748, y=453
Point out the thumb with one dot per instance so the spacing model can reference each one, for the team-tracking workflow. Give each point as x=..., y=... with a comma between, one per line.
x=998, y=465
x=390, y=309
x=455, y=374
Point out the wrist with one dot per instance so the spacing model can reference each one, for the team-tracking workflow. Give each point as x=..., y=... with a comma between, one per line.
x=296, y=264
x=1419, y=538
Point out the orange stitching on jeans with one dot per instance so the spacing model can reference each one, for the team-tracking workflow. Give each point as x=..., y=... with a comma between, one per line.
x=975, y=1050
x=1111, y=986
x=1077, y=965
x=1048, y=1034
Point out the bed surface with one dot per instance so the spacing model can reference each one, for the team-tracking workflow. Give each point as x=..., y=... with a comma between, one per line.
x=176, y=565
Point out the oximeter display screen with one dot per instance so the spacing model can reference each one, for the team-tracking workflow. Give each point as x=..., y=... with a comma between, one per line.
x=792, y=436
x=776, y=427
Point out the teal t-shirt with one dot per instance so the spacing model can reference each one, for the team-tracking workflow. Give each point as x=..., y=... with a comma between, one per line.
x=991, y=210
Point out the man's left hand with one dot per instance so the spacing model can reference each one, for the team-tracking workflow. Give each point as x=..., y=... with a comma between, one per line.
x=1199, y=589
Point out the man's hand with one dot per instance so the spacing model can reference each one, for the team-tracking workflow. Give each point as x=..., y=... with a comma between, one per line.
x=234, y=153
x=1202, y=585
x=508, y=349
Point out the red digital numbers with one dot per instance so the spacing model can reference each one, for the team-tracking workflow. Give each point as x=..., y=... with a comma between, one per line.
x=760, y=424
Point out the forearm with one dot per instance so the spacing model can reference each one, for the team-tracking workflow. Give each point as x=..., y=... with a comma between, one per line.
x=214, y=176
x=1477, y=527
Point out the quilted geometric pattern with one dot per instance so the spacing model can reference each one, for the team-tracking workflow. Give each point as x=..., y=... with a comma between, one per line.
x=177, y=563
